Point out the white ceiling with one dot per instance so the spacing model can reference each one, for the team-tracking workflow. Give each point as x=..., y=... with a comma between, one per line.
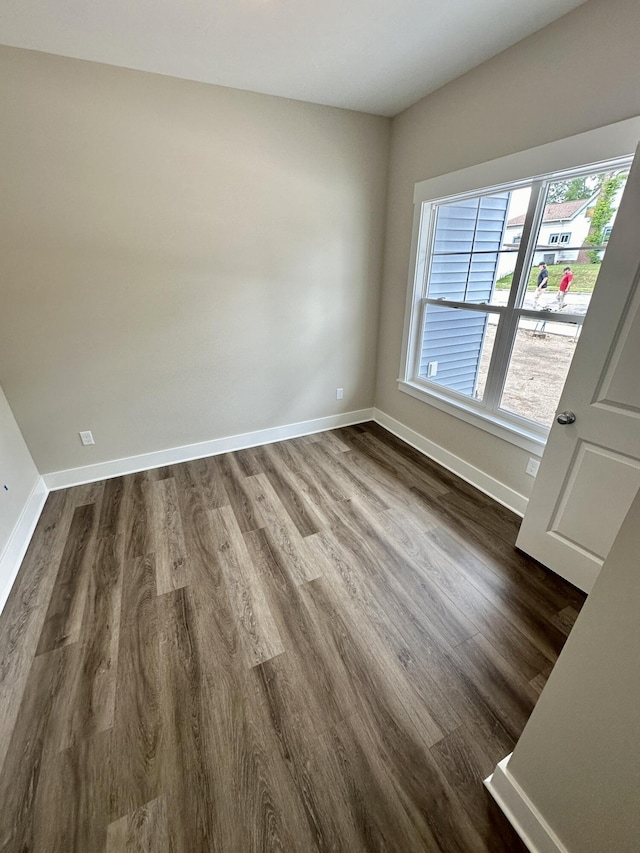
x=376, y=56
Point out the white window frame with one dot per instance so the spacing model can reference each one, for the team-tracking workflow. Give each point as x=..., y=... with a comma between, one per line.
x=573, y=156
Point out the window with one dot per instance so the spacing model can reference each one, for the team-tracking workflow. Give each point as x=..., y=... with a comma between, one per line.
x=482, y=340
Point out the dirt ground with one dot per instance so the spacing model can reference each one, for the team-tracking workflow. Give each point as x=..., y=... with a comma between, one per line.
x=539, y=367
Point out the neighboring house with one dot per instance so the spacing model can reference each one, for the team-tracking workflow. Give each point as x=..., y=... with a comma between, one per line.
x=565, y=227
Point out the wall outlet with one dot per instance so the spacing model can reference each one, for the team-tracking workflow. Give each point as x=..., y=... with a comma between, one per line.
x=339, y=393
x=86, y=437
x=432, y=369
x=532, y=466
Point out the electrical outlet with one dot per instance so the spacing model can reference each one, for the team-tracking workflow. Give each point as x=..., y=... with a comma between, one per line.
x=86, y=437
x=532, y=466
x=339, y=393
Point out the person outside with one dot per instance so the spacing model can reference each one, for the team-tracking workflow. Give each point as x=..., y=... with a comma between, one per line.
x=543, y=283
x=565, y=286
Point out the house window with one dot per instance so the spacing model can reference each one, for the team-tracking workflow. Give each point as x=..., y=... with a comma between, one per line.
x=565, y=237
x=483, y=341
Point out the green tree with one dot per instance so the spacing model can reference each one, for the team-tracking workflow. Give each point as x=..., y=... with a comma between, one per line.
x=602, y=213
x=575, y=189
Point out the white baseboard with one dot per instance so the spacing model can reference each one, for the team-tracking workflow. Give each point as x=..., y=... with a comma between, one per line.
x=521, y=813
x=488, y=485
x=174, y=455
x=16, y=547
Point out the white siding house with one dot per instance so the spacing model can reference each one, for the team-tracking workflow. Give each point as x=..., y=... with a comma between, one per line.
x=564, y=230
x=564, y=225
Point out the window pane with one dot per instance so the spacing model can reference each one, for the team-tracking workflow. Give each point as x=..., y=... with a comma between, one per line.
x=455, y=346
x=475, y=247
x=574, y=232
x=538, y=367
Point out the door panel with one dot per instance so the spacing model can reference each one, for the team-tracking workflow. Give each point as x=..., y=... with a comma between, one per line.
x=595, y=471
x=590, y=471
x=620, y=386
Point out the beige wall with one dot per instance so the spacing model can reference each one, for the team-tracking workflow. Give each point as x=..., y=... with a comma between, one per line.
x=17, y=472
x=575, y=75
x=577, y=759
x=180, y=262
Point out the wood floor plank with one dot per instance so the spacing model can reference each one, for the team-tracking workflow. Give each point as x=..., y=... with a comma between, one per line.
x=407, y=591
x=378, y=454
x=462, y=760
x=300, y=511
x=246, y=511
x=87, y=493
x=341, y=567
x=372, y=808
x=25, y=609
x=504, y=689
x=186, y=775
x=487, y=535
x=513, y=644
x=248, y=461
x=396, y=495
x=320, y=645
x=92, y=686
x=29, y=745
x=206, y=476
x=368, y=666
x=168, y=536
x=404, y=746
x=284, y=537
x=141, y=831
x=63, y=621
x=71, y=808
x=138, y=530
x=346, y=479
x=112, y=507
x=445, y=479
x=314, y=480
x=260, y=637
x=511, y=598
x=251, y=775
x=136, y=736
x=304, y=671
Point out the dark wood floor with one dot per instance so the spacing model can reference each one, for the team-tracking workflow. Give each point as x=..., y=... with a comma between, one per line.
x=322, y=644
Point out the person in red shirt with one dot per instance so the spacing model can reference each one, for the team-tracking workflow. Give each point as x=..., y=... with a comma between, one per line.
x=565, y=285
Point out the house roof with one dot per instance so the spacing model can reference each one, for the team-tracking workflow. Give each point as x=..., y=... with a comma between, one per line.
x=555, y=212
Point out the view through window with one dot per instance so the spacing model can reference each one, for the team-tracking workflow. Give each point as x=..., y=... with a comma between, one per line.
x=508, y=278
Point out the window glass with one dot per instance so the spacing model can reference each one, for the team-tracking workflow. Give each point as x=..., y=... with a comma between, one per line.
x=475, y=247
x=456, y=348
x=576, y=225
x=538, y=367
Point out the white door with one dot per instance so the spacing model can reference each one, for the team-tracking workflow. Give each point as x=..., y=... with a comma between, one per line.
x=590, y=470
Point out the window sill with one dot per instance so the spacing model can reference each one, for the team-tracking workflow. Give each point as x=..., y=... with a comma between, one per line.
x=520, y=436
